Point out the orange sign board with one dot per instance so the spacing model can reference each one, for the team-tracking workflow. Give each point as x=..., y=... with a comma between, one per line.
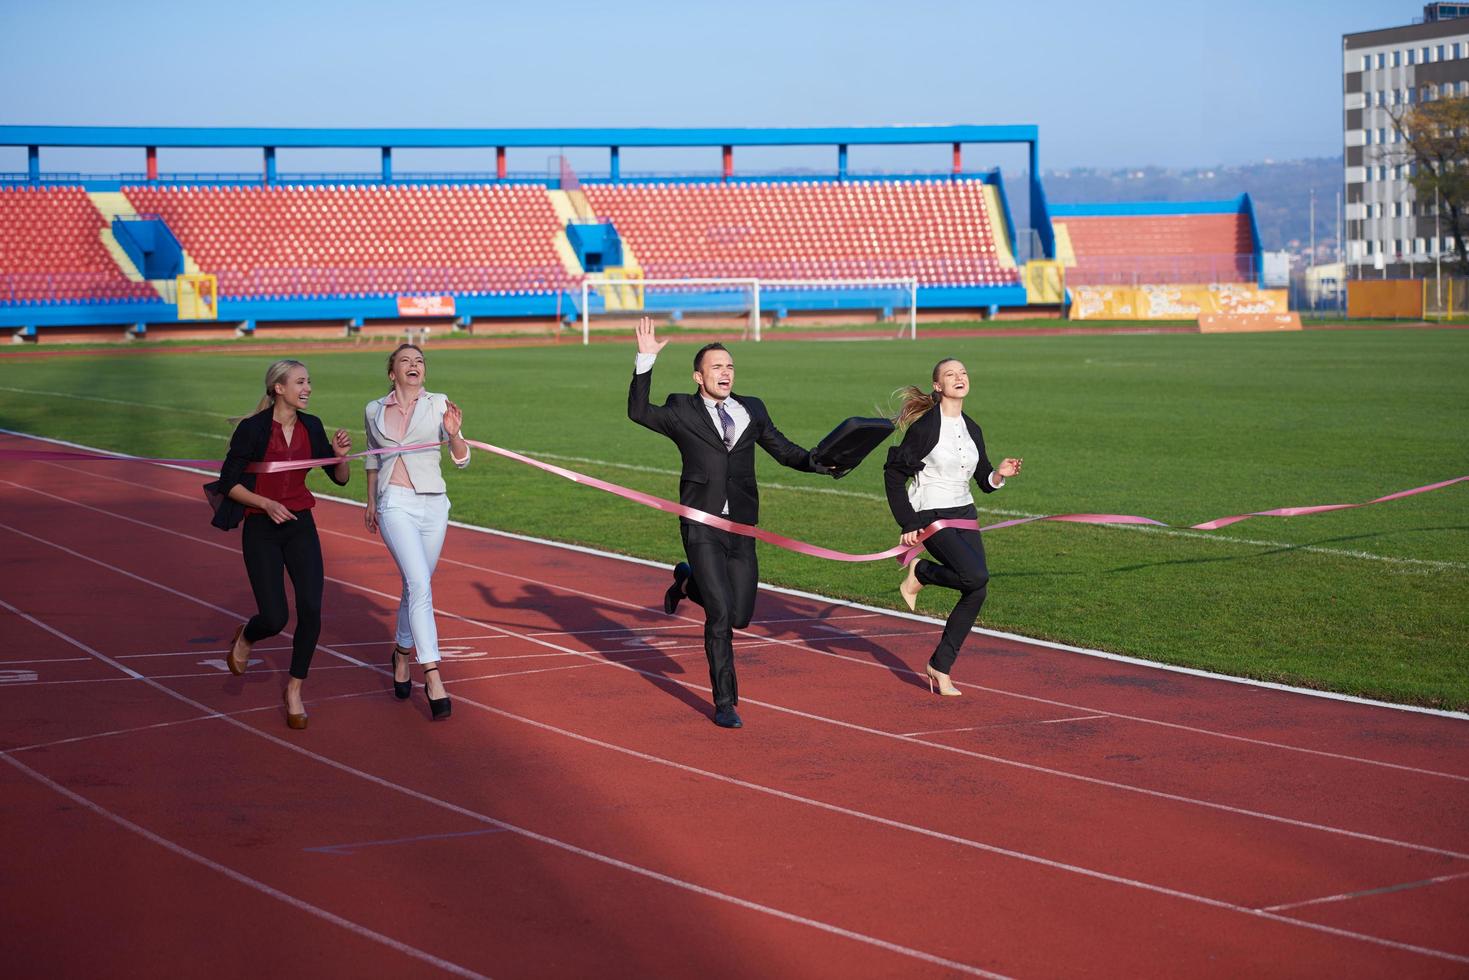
x=1247, y=322
x=425, y=306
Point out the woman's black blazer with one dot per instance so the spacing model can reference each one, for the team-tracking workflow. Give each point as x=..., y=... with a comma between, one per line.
x=905, y=461
x=248, y=445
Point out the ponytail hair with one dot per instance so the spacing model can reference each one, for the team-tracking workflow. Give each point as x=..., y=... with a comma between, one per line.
x=915, y=402
x=274, y=375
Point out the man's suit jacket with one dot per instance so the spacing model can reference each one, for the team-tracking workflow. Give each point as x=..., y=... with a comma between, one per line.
x=248, y=445
x=711, y=473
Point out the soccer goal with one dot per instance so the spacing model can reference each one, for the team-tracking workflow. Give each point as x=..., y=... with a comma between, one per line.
x=747, y=302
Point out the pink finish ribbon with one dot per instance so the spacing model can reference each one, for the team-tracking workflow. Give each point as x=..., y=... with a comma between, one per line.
x=903, y=553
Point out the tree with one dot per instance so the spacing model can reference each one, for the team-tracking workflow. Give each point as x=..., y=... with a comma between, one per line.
x=1435, y=134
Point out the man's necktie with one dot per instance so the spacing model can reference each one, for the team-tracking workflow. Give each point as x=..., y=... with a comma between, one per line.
x=727, y=423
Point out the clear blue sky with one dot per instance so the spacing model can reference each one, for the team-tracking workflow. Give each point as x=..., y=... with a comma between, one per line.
x=1109, y=84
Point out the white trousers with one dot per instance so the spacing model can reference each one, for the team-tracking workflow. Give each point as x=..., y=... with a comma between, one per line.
x=413, y=526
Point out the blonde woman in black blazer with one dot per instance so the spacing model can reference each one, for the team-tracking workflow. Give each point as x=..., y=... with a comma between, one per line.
x=927, y=478
x=279, y=535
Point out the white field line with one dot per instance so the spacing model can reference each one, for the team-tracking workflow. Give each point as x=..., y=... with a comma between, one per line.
x=1215, y=536
x=755, y=787
x=1218, y=537
x=820, y=719
x=108, y=401
x=524, y=832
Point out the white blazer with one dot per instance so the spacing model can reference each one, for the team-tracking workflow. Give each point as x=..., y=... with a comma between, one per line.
x=425, y=425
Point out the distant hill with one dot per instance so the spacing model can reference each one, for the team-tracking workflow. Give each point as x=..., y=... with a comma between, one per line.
x=1281, y=192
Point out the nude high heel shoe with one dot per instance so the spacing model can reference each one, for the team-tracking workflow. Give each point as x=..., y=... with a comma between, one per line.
x=910, y=587
x=945, y=686
x=294, y=721
x=237, y=667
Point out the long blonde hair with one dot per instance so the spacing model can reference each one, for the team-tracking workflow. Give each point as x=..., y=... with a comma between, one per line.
x=915, y=401
x=274, y=375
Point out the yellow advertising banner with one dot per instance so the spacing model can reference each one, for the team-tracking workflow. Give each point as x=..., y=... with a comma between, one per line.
x=1174, y=302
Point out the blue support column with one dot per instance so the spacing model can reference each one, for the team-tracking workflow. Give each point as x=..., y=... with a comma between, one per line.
x=841, y=161
x=387, y=165
x=1040, y=220
x=615, y=167
x=270, y=165
x=33, y=164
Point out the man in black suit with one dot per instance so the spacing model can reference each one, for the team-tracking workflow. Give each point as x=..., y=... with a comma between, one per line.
x=716, y=432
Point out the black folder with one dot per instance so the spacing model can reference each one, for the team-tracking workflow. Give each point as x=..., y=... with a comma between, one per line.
x=850, y=442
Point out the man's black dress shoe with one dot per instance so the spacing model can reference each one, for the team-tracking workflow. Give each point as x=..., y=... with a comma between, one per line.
x=726, y=718
x=675, y=593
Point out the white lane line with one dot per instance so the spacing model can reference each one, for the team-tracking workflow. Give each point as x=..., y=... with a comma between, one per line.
x=1008, y=724
x=482, y=818
x=349, y=849
x=841, y=603
x=60, y=660
x=315, y=700
x=1368, y=892
x=373, y=935
x=863, y=662
x=851, y=726
x=1019, y=855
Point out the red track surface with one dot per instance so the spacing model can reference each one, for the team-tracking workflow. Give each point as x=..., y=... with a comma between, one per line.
x=579, y=815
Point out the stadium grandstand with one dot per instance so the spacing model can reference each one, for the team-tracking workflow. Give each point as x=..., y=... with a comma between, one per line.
x=82, y=251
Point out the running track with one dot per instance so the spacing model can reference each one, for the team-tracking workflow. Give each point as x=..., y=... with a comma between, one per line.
x=580, y=815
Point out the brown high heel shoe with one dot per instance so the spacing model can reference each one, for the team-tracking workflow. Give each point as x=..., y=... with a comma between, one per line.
x=237, y=667
x=294, y=721
x=910, y=587
x=942, y=680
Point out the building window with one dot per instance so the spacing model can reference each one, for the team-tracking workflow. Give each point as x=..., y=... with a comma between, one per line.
x=1412, y=56
x=1438, y=53
x=1419, y=247
x=1370, y=243
x=1423, y=56
x=1379, y=61
x=1397, y=59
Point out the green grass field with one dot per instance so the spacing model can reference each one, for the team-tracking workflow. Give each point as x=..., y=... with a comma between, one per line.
x=1181, y=428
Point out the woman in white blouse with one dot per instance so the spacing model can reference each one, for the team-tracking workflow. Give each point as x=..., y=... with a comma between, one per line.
x=927, y=479
x=406, y=500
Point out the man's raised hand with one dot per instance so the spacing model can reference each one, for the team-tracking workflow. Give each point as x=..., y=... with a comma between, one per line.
x=648, y=343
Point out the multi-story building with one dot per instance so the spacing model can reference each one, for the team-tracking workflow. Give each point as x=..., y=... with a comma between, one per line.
x=1385, y=73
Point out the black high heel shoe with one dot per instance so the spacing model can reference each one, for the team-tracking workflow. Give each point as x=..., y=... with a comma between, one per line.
x=402, y=690
x=440, y=707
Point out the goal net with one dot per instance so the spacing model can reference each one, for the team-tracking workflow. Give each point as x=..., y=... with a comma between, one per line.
x=750, y=307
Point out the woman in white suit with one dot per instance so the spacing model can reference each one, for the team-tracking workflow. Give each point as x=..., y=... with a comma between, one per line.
x=407, y=502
